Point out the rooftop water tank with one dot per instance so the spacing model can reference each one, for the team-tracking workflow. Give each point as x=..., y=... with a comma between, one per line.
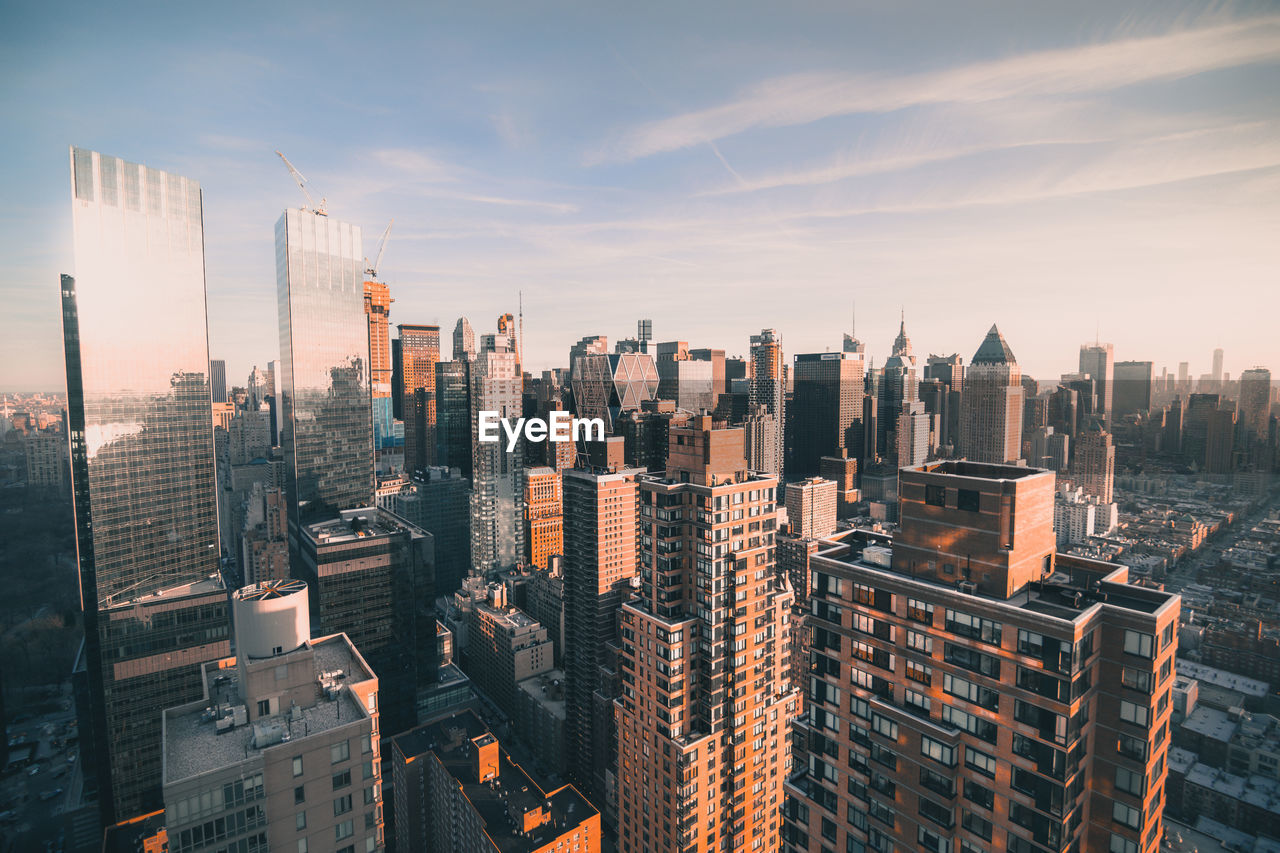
x=271, y=618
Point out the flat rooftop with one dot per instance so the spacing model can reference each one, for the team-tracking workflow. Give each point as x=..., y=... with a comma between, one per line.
x=193, y=745
x=1066, y=594
x=204, y=586
x=977, y=470
x=501, y=805
x=353, y=524
x=1222, y=678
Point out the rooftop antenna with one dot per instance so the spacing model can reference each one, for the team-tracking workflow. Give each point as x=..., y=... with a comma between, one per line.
x=301, y=180
x=521, y=303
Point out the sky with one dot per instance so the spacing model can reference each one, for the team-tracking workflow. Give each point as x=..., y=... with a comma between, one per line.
x=1067, y=171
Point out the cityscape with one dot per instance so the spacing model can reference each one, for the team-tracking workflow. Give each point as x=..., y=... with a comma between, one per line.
x=684, y=541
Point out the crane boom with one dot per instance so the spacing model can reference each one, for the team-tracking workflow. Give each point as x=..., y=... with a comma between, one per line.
x=301, y=181
x=382, y=245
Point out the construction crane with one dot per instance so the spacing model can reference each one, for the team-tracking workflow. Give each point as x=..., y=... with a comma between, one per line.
x=302, y=185
x=371, y=269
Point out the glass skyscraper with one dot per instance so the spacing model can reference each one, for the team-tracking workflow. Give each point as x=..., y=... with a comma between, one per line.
x=142, y=462
x=324, y=365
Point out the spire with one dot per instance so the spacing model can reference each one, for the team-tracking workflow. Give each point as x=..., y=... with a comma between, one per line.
x=902, y=344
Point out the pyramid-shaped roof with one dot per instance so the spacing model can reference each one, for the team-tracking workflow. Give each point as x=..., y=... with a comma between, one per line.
x=994, y=349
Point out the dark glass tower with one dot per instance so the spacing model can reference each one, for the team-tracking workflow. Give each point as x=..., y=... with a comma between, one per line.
x=324, y=355
x=453, y=415
x=142, y=465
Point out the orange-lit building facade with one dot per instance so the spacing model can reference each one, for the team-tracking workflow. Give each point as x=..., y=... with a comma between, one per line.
x=377, y=305
x=706, y=705
x=543, y=514
x=971, y=690
x=456, y=790
x=419, y=353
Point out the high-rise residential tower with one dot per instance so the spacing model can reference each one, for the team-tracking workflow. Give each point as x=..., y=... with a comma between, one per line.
x=706, y=705
x=497, y=487
x=1093, y=467
x=826, y=409
x=419, y=354
x=142, y=468
x=601, y=558
x=1098, y=361
x=972, y=690
x=991, y=405
x=769, y=392
x=324, y=360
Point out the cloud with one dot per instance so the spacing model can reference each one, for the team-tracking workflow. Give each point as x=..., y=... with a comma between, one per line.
x=799, y=99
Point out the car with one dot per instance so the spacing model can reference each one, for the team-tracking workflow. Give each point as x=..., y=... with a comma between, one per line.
x=71, y=758
x=35, y=769
x=50, y=794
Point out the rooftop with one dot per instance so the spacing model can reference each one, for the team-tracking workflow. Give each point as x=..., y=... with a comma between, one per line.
x=204, y=586
x=1075, y=588
x=501, y=803
x=547, y=690
x=355, y=524
x=1222, y=678
x=1210, y=723
x=194, y=745
x=978, y=470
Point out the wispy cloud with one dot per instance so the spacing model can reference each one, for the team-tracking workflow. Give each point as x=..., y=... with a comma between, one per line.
x=798, y=99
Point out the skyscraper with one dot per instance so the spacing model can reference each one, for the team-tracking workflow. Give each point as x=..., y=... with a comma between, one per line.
x=324, y=360
x=769, y=392
x=544, y=515
x=972, y=690
x=601, y=517
x=1217, y=367
x=701, y=760
x=1098, y=361
x=1254, y=405
x=826, y=409
x=218, y=378
x=419, y=354
x=497, y=488
x=1094, y=466
x=377, y=305
x=991, y=405
x=453, y=415
x=464, y=340
x=142, y=467
x=897, y=390
x=1132, y=388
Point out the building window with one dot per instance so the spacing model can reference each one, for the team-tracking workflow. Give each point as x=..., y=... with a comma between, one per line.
x=919, y=611
x=1137, y=643
x=1120, y=844
x=1136, y=679
x=976, y=824
x=297, y=766
x=299, y=795
x=1130, y=782
x=341, y=780
x=344, y=830
x=974, y=627
x=979, y=795
x=302, y=845
x=980, y=761
x=940, y=752
x=935, y=495
x=1136, y=714
x=920, y=642
x=339, y=752
x=1127, y=815
x=300, y=821
x=264, y=707
x=968, y=500
x=885, y=727
x=342, y=805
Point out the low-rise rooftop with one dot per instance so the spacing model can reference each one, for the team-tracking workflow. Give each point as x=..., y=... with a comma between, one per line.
x=195, y=742
x=502, y=802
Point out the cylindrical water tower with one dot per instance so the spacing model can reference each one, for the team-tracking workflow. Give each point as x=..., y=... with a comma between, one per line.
x=271, y=618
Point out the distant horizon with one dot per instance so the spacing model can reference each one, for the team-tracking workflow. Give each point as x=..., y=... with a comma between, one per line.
x=1104, y=170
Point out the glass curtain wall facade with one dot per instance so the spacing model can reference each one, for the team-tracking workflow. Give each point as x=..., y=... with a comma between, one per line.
x=142, y=462
x=324, y=351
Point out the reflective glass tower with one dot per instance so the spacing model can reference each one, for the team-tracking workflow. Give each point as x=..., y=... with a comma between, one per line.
x=324, y=353
x=142, y=462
